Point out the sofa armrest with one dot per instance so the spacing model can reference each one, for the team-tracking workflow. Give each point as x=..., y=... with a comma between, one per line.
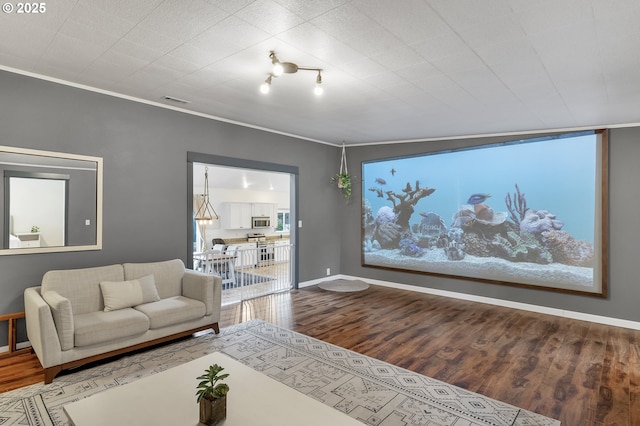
x=205, y=288
x=62, y=317
x=41, y=329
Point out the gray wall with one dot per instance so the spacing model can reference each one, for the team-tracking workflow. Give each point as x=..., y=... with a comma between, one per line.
x=624, y=234
x=145, y=176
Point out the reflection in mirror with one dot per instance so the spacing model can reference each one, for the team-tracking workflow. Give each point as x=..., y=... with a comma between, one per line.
x=40, y=219
x=51, y=202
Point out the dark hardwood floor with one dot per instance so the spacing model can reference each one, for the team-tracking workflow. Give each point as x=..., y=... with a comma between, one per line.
x=579, y=372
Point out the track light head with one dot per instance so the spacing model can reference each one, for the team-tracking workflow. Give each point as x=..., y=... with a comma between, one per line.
x=266, y=86
x=318, y=90
x=277, y=66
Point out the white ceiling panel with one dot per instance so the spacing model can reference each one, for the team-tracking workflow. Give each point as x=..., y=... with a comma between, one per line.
x=131, y=10
x=308, y=37
x=99, y=21
x=398, y=58
x=155, y=42
x=551, y=15
x=229, y=36
x=392, y=71
x=494, y=31
x=468, y=13
x=421, y=24
x=269, y=16
x=183, y=19
x=311, y=9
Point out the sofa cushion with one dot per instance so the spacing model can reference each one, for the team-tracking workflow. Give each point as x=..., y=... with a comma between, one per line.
x=99, y=327
x=126, y=294
x=167, y=274
x=172, y=310
x=82, y=286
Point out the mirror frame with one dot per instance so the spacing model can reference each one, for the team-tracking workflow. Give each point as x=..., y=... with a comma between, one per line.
x=98, y=201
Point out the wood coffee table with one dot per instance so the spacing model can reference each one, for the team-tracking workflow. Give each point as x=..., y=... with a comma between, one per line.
x=168, y=398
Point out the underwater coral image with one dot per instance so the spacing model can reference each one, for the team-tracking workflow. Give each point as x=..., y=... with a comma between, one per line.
x=521, y=213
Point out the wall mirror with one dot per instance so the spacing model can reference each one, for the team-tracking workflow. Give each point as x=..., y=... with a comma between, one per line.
x=50, y=202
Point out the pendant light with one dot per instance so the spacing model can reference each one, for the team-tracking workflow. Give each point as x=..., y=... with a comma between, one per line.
x=206, y=214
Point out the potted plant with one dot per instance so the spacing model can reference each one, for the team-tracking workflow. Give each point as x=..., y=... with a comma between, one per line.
x=343, y=178
x=212, y=395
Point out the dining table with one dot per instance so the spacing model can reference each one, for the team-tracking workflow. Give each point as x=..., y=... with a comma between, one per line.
x=213, y=262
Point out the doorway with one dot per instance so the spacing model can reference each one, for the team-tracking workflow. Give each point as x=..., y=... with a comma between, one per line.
x=265, y=259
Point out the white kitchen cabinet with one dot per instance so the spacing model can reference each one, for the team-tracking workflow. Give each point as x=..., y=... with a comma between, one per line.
x=264, y=210
x=237, y=216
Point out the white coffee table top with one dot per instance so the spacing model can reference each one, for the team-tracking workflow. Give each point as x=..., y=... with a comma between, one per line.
x=168, y=398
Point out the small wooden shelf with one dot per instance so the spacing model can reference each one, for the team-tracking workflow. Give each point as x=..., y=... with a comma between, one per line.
x=12, y=320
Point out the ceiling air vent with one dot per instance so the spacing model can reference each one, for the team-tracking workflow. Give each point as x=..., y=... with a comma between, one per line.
x=176, y=100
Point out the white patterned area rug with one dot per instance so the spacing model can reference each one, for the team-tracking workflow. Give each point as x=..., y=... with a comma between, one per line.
x=374, y=392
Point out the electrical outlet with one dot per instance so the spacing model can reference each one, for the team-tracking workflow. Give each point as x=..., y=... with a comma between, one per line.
x=328, y=271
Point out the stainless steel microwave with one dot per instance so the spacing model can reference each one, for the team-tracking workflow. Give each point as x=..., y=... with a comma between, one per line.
x=261, y=222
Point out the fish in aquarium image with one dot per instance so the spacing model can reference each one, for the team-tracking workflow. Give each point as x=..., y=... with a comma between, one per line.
x=478, y=198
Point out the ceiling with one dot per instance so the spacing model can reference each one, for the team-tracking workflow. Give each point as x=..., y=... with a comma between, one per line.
x=392, y=71
x=240, y=179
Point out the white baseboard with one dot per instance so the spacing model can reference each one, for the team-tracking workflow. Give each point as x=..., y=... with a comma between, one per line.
x=616, y=322
x=319, y=280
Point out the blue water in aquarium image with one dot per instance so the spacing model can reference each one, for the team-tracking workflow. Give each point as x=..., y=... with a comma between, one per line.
x=522, y=212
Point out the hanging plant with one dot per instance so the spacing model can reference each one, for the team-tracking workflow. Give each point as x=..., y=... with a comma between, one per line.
x=344, y=183
x=343, y=178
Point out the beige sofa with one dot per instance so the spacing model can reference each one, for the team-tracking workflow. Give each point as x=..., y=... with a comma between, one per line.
x=82, y=315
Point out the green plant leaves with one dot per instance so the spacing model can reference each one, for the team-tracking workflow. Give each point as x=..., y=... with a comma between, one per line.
x=208, y=387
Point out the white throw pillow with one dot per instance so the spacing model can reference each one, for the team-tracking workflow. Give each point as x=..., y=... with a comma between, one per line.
x=126, y=294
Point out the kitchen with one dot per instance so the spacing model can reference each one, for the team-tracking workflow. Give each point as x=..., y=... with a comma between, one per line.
x=252, y=230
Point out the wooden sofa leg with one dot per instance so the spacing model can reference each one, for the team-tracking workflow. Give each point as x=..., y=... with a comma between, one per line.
x=50, y=373
x=216, y=328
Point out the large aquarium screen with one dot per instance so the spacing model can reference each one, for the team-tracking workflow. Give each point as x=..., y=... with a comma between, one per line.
x=528, y=213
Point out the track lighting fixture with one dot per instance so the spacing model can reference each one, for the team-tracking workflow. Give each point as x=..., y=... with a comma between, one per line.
x=280, y=68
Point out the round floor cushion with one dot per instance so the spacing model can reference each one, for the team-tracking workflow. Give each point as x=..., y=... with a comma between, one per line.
x=344, y=285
